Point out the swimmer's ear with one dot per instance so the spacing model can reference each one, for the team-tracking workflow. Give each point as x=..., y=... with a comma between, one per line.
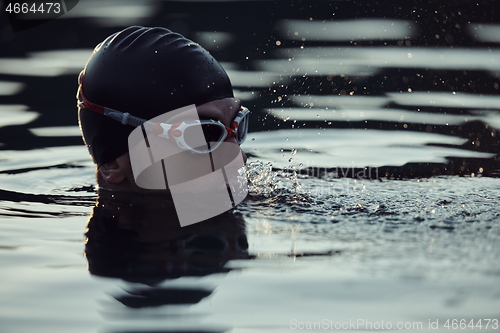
x=113, y=172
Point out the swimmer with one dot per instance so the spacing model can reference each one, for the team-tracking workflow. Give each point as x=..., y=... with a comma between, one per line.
x=141, y=73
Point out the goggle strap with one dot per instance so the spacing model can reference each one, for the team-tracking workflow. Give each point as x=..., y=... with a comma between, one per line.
x=127, y=119
x=160, y=129
x=124, y=118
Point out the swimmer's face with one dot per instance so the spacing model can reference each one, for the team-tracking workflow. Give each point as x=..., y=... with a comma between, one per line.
x=118, y=174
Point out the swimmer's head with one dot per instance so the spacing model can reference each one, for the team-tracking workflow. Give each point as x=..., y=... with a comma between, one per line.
x=145, y=72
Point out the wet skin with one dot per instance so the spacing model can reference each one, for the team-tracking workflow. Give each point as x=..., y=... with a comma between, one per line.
x=117, y=175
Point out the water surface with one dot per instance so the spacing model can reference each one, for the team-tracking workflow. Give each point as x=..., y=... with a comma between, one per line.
x=372, y=164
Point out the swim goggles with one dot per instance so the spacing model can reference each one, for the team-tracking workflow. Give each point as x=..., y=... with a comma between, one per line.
x=184, y=133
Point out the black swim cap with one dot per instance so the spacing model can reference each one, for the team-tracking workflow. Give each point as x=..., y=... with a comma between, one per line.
x=145, y=72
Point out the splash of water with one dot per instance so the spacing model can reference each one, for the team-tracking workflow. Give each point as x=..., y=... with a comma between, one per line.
x=261, y=179
x=290, y=173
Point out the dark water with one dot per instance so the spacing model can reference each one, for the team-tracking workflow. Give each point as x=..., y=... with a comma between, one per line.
x=373, y=168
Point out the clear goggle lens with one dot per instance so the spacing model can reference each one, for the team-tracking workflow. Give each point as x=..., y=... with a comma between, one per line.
x=215, y=133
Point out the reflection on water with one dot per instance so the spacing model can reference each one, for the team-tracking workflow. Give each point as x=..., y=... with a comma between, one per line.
x=485, y=32
x=325, y=148
x=446, y=100
x=10, y=88
x=345, y=99
x=64, y=131
x=333, y=60
x=51, y=63
x=415, y=98
x=16, y=115
x=141, y=240
x=350, y=30
x=390, y=115
x=250, y=79
x=345, y=243
x=212, y=40
x=108, y=14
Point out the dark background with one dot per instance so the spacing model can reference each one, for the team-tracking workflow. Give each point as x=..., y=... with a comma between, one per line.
x=255, y=25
